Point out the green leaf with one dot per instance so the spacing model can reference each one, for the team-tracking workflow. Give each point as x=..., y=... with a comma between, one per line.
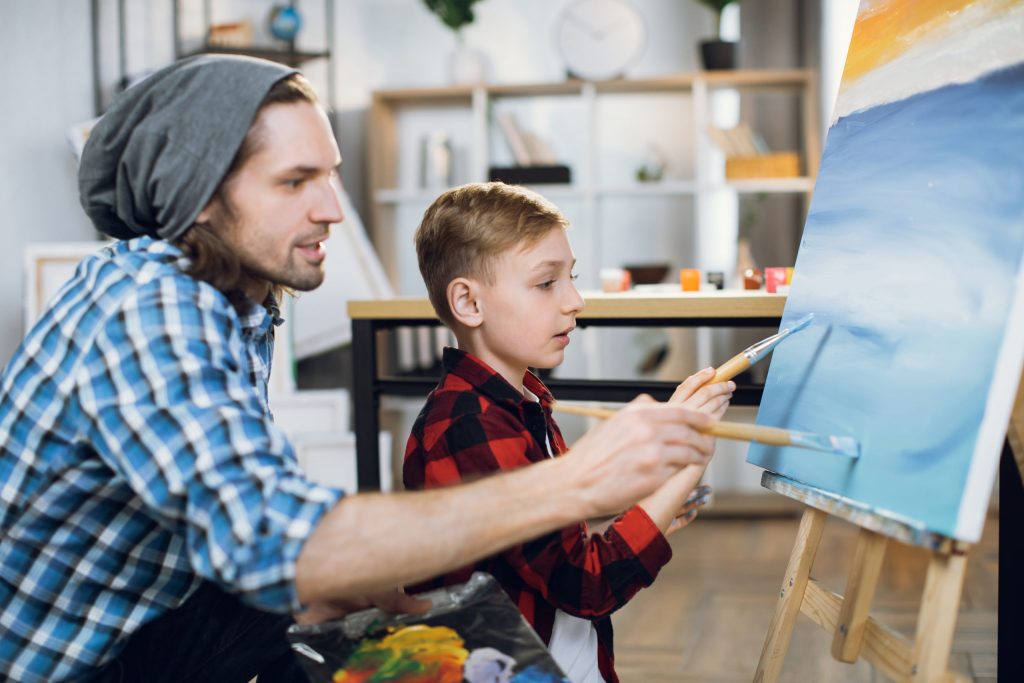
x=717, y=5
x=453, y=13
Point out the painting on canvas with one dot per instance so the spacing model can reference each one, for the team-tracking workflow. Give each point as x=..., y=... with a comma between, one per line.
x=911, y=261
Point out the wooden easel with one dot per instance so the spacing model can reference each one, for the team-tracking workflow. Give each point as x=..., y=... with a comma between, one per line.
x=855, y=633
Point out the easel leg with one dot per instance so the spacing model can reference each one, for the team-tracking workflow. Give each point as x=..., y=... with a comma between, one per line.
x=791, y=596
x=936, y=621
x=860, y=591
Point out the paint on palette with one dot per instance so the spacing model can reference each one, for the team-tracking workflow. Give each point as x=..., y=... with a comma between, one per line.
x=413, y=654
x=432, y=654
x=473, y=633
x=911, y=260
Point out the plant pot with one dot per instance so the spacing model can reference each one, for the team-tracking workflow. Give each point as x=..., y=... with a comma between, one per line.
x=718, y=54
x=467, y=65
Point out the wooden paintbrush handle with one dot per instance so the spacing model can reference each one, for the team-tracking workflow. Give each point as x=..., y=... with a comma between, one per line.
x=773, y=436
x=730, y=368
x=585, y=411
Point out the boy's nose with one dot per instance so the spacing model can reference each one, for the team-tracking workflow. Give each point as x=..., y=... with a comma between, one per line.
x=575, y=302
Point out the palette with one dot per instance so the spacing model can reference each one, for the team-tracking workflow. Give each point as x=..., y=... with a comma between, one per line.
x=473, y=633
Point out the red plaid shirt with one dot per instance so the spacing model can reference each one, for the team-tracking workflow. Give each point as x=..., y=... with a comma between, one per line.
x=475, y=423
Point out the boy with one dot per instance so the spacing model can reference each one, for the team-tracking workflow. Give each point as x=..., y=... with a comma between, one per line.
x=498, y=269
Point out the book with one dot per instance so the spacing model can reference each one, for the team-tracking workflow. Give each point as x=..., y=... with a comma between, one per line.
x=514, y=137
x=531, y=175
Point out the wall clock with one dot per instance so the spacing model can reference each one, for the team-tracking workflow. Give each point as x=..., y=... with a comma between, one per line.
x=600, y=39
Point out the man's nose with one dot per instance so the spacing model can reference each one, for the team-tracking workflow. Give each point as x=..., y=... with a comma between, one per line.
x=327, y=206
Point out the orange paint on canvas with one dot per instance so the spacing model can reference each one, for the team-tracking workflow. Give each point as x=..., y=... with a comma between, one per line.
x=886, y=29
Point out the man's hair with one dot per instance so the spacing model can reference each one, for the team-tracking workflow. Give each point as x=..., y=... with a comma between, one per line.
x=212, y=259
x=468, y=227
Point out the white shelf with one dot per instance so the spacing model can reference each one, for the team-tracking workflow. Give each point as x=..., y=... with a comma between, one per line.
x=667, y=188
x=423, y=196
x=771, y=185
x=650, y=189
x=405, y=196
x=556, y=192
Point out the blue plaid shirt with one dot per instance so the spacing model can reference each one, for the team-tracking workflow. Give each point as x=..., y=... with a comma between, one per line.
x=137, y=457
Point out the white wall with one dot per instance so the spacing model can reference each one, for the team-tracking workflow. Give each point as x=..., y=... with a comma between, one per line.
x=47, y=80
x=45, y=76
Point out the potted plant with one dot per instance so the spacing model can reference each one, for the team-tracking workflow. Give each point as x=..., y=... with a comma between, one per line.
x=718, y=53
x=467, y=64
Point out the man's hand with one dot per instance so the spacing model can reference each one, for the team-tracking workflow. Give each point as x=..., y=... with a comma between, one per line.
x=635, y=451
x=394, y=601
x=695, y=393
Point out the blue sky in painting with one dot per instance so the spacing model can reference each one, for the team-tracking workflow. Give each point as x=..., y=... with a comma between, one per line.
x=909, y=261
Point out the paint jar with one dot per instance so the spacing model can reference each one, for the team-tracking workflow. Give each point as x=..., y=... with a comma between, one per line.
x=689, y=279
x=752, y=278
x=615, y=280
x=773, y=279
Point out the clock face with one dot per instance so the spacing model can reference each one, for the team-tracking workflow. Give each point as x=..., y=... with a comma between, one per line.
x=599, y=39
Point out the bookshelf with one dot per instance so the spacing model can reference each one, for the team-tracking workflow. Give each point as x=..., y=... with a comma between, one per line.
x=284, y=52
x=468, y=113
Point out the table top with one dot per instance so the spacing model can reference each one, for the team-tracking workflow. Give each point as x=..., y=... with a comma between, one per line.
x=725, y=303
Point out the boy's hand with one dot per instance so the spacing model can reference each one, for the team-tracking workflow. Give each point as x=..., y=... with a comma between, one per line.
x=677, y=497
x=636, y=451
x=688, y=511
x=695, y=393
x=394, y=601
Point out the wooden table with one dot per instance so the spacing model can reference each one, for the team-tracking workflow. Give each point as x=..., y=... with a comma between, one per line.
x=725, y=308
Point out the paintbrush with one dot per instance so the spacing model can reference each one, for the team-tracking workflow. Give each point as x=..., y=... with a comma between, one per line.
x=738, y=431
x=755, y=352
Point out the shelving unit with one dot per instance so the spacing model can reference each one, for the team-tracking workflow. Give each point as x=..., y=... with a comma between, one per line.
x=468, y=109
x=289, y=56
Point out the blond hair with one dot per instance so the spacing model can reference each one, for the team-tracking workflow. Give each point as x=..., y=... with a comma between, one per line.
x=468, y=227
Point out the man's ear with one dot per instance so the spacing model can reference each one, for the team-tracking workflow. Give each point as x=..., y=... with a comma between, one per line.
x=464, y=301
x=213, y=209
x=204, y=216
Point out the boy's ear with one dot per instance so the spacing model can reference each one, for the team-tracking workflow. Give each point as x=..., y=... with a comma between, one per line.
x=464, y=301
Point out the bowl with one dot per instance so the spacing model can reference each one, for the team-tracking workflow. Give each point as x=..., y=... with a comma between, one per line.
x=648, y=273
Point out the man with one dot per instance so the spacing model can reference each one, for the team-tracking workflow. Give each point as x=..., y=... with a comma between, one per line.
x=154, y=524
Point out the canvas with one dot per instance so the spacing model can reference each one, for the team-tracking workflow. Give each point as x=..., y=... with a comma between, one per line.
x=911, y=261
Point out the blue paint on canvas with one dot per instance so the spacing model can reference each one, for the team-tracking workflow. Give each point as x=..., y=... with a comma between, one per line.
x=909, y=261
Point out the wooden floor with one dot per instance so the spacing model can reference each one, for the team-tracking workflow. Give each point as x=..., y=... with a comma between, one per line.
x=705, y=618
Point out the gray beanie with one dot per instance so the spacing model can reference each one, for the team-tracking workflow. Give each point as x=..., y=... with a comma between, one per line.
x=159, y=153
